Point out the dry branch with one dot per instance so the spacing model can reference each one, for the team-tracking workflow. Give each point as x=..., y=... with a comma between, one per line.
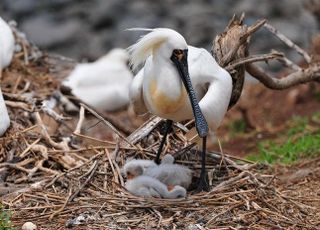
x=309, y=74
x=231, y=51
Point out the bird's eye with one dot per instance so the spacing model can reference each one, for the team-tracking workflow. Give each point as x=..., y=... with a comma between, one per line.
x=177, y=52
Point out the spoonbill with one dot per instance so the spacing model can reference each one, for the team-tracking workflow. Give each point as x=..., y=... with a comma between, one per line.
x=103, y=84
x=172, y=73
x=7, y=44
x=146, y=186
x=130, y=167
x=169, y=173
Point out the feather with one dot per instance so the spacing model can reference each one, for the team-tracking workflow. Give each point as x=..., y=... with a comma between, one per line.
x=145, y=46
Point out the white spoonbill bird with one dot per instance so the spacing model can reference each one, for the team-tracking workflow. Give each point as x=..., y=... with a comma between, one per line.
x=6, y=44
x=4, y=117
x=174, y=72
x=103, y=84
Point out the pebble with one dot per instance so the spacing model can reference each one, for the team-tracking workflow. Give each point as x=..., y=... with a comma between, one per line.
x=29, y=226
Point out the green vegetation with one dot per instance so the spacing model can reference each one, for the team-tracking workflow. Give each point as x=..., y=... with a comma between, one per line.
x=5, y=222
x=301, y=143
x=237, y=127
x=292, y=150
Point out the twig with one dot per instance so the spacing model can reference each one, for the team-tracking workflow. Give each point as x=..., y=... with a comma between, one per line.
x=144, y=129
x=46, y=108
x=46, y=136
x=80, y=122
x=288, y=42
x=20, y=105
x=299, y=77
x=106, y=123
x=251, y=59
x=92, y=170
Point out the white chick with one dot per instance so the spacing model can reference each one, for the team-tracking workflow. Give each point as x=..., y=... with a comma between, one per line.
x=132, y=167
x=147, y=186
x=6, y=44
x=103, y=84
x=170, y=174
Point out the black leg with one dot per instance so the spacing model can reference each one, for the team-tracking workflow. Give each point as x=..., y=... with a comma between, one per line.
x=167, y=129
x=203, y=183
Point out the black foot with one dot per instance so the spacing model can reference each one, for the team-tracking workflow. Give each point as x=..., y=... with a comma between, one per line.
x=157, y=161
x=202, y=185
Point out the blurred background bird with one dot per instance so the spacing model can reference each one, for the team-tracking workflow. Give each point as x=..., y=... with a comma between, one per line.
x=7, y=45
x=179, y=82
x=103, y=84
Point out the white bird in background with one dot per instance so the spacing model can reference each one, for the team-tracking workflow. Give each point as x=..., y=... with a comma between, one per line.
x=103, y=84
x=4, y=117
x=174, y=72
x=7, y=44
x=169, y=173
x=147, y=186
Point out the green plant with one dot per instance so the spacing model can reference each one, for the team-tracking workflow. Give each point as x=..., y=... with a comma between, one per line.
x=238, y=126
x=5, y=222
x=297, y=125
x=293, y=149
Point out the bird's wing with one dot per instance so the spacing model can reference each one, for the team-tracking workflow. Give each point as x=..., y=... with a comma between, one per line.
x=205, y=71
x=136, y=94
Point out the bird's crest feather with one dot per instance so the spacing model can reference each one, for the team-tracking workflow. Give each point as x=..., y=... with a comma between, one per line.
x=141, y=50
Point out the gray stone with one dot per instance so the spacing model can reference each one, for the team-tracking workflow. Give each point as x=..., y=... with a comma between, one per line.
x=47, y=33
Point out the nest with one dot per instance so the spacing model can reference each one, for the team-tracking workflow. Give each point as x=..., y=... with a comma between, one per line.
x=56, y=175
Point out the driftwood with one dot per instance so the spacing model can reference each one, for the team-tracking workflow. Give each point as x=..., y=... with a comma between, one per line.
x=231, y=51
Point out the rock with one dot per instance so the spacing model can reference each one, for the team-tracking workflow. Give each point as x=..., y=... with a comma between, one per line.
x=86, y=29
x=29, y=226
x=44, y=31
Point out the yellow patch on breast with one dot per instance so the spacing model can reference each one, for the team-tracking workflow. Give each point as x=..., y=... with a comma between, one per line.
x=164, y=104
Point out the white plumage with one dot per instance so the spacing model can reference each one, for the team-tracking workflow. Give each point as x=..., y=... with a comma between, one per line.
x=169, y=173
x=6, y=44
x=147, y=186
x=135, y=167
x=179, y=82
x=4, y=117
x=158, y=87
x=103, y=84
